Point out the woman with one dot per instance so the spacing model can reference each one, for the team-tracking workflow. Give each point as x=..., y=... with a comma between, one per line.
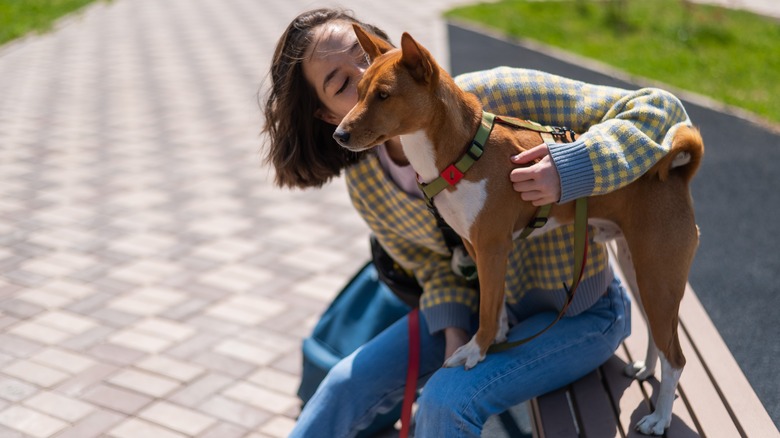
x=315, y=69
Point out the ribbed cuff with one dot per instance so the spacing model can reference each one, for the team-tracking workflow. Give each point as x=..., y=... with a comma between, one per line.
x=448, y=315
x=575, y=170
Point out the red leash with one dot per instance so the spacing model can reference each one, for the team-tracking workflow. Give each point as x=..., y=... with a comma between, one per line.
x=413, y=371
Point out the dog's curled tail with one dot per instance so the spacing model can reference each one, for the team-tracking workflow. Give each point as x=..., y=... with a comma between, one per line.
x=685, y=155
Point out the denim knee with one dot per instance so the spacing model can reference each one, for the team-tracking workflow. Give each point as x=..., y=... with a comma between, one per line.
x=339, y=381
x=443, y=409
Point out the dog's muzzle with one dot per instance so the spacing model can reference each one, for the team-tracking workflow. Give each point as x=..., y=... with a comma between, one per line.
x=341, y=136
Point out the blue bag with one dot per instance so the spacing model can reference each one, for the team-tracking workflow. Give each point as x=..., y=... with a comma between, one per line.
x=364, y=308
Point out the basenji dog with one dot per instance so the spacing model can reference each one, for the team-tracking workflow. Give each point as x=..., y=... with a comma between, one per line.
x=405, y=93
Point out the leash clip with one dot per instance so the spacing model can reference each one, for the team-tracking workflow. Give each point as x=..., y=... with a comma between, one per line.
x=561, y=133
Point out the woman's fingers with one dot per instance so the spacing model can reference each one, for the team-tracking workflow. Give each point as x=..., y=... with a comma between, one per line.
x=530, y=155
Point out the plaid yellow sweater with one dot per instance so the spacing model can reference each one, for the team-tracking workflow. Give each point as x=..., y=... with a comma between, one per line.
x=624, y=134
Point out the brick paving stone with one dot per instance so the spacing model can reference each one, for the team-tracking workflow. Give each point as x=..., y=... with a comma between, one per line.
x=117, y=399
x=235, y=412
x=278, y=427
x=134, y=428
x=40, y=375
x=224, y=430
x=116, y=354
x=262, y=398
x=40, y=333
x=15, y=390
x=276, y=380
x=201, y=389
x=81, y=382
x=177, y=418
x=72, y=363
x=93, y=425
x=224, y=364
x=143, y=382
x=172, y=368
x=30, y=422
x=59, y=406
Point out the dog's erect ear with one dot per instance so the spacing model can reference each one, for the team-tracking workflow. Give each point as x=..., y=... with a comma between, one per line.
x=418, y=60
x=371, y=44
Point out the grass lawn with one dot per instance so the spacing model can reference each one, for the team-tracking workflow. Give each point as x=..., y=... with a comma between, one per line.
x=731, y=56
x=18, y=17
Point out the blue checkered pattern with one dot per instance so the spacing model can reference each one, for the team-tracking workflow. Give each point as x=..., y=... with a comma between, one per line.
x=623, y=132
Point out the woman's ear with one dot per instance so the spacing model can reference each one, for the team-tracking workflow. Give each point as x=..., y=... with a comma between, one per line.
x=327, y=116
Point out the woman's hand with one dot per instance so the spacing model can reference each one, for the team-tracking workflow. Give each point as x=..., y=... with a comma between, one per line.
x=455, y=338
x=538, y=183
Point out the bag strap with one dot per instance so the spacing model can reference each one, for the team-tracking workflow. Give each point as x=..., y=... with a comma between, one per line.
x=412, y=372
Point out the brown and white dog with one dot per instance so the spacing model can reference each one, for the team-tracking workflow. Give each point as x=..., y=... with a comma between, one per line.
x=405, y=93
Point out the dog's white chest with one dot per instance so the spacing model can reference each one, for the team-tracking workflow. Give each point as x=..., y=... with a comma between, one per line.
x=460, y=206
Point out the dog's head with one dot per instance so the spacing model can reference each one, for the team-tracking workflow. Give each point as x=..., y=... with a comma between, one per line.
x=394, y=96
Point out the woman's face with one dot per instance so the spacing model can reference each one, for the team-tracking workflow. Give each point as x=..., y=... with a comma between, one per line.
x=333, y=66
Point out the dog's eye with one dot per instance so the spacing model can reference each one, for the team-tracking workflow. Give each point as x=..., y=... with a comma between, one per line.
x=382, y=95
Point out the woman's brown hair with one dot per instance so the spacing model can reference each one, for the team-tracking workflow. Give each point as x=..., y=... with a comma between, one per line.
x=301, y=146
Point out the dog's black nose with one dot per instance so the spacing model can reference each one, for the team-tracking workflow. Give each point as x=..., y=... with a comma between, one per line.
x=341, y=136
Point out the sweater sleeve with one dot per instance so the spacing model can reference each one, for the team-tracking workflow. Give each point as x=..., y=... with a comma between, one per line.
x=412, y=239
x=623, y=132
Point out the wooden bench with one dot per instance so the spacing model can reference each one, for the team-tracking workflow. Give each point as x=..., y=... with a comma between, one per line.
x=714, y=398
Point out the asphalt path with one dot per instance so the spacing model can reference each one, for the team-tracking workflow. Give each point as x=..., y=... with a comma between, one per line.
x=737, y=201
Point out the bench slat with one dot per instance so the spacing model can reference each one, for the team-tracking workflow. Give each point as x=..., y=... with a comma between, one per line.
x=594, y=409
x=625, y=392
x=703, y=397
x=751, y=416
x=557, y=420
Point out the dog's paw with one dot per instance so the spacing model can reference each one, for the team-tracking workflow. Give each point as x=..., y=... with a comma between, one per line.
x=638, y=370
x=468, y=355
x=653, y=424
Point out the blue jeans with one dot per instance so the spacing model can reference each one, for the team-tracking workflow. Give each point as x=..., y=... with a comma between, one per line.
x=456, y=402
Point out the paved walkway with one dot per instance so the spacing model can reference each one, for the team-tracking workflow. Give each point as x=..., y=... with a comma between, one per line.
x=153, y=282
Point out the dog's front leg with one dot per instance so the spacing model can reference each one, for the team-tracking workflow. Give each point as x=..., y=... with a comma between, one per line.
x=491, y=257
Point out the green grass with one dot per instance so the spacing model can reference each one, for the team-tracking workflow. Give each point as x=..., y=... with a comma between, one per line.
x=731, y=56
x=19, y=17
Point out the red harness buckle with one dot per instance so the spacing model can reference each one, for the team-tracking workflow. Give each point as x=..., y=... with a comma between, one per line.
x=452, y=175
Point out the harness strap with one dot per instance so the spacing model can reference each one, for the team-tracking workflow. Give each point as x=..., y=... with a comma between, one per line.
x=580, y=257
x=454, y=172
x=537, y=222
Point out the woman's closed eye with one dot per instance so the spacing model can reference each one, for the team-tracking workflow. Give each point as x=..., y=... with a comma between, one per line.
x=343, y=86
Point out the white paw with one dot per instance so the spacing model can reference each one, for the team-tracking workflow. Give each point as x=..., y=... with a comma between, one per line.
x=638, y=370
x=653, y=424
x=467, y=355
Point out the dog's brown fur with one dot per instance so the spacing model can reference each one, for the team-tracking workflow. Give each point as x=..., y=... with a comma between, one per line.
x=405, y=91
